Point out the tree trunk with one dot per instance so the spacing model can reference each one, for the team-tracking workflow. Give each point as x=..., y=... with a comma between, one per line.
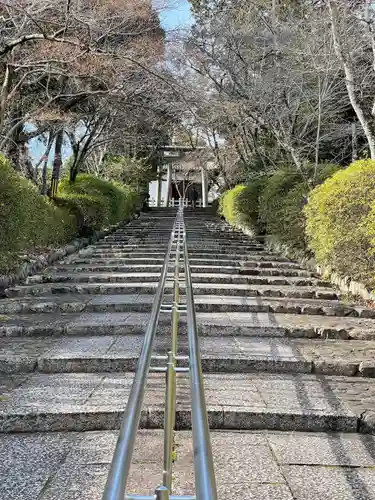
x=4, y=94
x=349, y=79
x=57, y=162
x=45, y=163
x=44, y=176
x=317, y=139
x=354, y=142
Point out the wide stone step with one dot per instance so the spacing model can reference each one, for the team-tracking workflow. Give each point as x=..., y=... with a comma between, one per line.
x=205, y=245
x=198, y=254
x=98, y=277
x=142, y=237
x=96, y=401
x=211, y=303
x=220, y=355
x=129, y=246
x=146, y=288
x=217, y=324
x=93, y=277
x=104, y=266
x=86, y=267
x=237, y=279
x=221, y=263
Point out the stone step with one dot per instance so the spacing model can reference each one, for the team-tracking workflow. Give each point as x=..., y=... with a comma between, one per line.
x=129, y=246
x=72, y=303
x=96, y=401
x=94, y=267
x=235, y=279
x=146, y=244
x=197, y=233
x=267, y=465
x=215, y=325
x=199, y=254
x=235, y=354
x=132, y=253
x=222, y=263
x=146, y=288
x=93, y=277
x=143, y=235
x=105, y=267
x=251, y=290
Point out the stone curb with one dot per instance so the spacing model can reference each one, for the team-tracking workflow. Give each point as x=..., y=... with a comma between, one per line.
x=219, y=417
x=344, y=283
x=204, y=329
x=210, y=364
x=48, y=258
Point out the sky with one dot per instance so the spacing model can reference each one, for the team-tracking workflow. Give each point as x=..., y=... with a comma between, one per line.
x=176, y=15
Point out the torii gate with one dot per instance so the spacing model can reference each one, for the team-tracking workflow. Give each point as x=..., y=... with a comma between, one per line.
x=171, y=154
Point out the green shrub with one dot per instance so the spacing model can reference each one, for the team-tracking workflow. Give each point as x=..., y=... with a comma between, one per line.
x=228, y=204
x=91, y=212
x=27, y=219
x=341, y=221
x=282, y=201
x=274, y=201
x=239, y=206
x=96, y=202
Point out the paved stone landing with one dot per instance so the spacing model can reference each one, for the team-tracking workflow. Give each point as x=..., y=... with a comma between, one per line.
x=259, y=465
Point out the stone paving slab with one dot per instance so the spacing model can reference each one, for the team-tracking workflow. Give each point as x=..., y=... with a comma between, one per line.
x=81, y=401
x=252, y=465
x=316, y=483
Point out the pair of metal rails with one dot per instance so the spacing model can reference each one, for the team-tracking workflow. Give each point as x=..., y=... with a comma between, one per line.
x=205, y=487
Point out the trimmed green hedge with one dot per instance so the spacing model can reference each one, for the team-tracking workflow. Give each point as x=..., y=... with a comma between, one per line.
x=240, y=205
x=274, y=204
x=341, y=221
x=280, y=205
x=96, y=202
x=335, y=219
x=27, y=219
x=282, y=200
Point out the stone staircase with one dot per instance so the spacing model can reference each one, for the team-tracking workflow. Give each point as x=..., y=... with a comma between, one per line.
x=280, y=352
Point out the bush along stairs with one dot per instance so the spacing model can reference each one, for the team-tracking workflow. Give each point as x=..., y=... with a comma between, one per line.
x=280, y=353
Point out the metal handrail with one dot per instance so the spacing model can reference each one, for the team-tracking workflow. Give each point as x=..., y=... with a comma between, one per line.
x=203, y=462
x=116, y=482
x=205, y=483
